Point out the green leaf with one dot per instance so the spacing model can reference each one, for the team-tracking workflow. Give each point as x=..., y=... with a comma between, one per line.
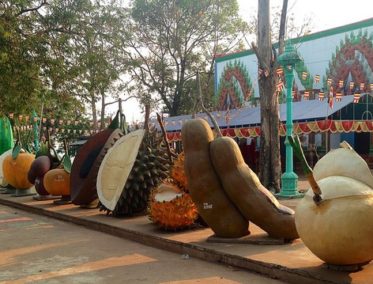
x=116, y=121
x=298, y=151
x=66, y=163
x=16, y=151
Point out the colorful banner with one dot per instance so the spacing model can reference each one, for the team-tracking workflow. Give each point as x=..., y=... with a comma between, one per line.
x=333, y=126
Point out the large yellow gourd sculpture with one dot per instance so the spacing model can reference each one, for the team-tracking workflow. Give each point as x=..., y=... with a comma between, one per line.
x=339, y=228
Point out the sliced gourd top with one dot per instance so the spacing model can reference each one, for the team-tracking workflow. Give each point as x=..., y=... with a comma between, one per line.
x=343, y=162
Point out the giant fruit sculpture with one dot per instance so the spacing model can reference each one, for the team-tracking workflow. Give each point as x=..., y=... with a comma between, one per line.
x=339, y=228
x=3, y=182
x=171, y=206
x=46, y=159
x=39, y=167
x=135, y=165
x=16, y=167
x=6, y=135
x=244, y=189
x=219, y=179
x=57, y=181
x=88, y=160
x=204, y=186
x=178, y=172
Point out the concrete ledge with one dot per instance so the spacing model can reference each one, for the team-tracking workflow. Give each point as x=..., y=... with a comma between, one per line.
x=272, y=270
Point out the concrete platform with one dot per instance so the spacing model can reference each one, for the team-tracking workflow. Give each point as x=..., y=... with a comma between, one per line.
x=292, y=263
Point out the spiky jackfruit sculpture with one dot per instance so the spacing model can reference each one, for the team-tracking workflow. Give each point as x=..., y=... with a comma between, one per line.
x=178, y=173
x=135, y=165
x=171, y=208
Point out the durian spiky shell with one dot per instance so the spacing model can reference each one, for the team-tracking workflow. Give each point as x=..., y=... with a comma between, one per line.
x=178, y=173
x=176, y=214
x=142, y=174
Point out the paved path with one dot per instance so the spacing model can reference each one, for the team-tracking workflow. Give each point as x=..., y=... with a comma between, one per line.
x=38, y=249
x=292, y=263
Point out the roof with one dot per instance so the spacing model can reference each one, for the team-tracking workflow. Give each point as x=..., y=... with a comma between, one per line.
x=310, y=110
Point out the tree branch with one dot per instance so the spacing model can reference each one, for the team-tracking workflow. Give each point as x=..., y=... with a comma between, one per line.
x=260, y=60
x=23, y=11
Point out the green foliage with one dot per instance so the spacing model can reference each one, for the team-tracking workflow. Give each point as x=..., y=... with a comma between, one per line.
x=170, y=40
x=20, y=48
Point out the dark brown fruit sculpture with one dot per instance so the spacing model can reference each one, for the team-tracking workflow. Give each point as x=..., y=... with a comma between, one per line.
x=39, y=186
x=87, y=162
x=39, y=167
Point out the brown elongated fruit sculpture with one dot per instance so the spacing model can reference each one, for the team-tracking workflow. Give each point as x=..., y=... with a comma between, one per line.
x=244, y=189
x=204, y=186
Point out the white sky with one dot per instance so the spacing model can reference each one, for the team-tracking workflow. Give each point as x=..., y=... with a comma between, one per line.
x=325, y=14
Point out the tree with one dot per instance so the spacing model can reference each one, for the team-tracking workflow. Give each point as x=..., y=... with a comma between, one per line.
x=168, y=41
x=59, y=54
x=270, y=162
x=89, y=55
x=32, y=65
x=20, y=51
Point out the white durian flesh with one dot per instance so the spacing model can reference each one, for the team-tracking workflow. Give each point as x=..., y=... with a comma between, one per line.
x=340, y=229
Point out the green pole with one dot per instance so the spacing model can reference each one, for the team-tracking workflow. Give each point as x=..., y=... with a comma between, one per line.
x=35, y=130
x=289, y=180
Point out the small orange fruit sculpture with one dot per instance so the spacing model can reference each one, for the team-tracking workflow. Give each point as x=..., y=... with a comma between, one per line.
x=16, y=170
x=57, y=182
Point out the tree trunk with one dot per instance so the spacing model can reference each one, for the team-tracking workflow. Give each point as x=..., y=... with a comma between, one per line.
x=102, y=124
x=94, y=110
x=270, y=163
x=178, y=92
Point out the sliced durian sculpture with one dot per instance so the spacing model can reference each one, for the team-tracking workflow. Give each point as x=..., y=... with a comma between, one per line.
x=135, y=165
x=171, y=208
x=88, y=160
x=338, y=226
